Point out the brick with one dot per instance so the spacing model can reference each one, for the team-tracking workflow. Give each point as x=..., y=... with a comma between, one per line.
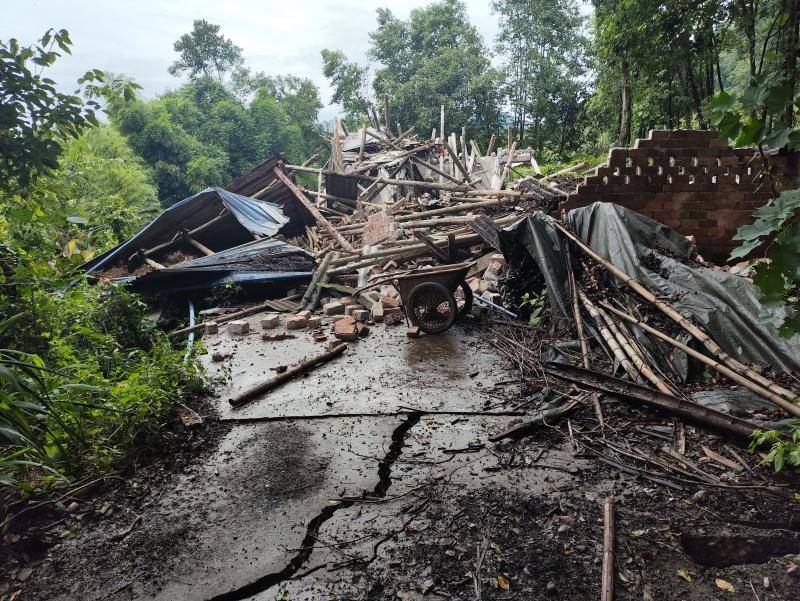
x=413, y=332
x=305, y=314
x=333, y=308
x=296, y=322
x=377, y=312
x=389, y=301
x=320, y=337
x=392, y=319
x=361, y=315
x=238, y=327
x=270, y=321
x=314, y=322
x=345, y=331
x=212, y=327
x=348, y=301
x=362, y=329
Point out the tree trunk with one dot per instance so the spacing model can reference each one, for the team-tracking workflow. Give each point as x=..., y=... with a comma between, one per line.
x=695, y=91
x=790, y=54
x=627, y=101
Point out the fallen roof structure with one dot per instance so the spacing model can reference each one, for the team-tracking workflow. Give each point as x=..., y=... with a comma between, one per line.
x=210, y=221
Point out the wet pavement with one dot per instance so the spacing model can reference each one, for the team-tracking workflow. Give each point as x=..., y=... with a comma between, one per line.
x=372, y=478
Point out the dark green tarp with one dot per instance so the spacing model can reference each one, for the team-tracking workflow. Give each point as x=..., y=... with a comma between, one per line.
x=726, y=305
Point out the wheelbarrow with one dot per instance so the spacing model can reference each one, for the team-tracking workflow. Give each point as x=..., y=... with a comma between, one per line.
x=433, y=299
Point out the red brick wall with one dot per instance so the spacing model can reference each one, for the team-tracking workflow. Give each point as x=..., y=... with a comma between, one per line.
x=689, y=180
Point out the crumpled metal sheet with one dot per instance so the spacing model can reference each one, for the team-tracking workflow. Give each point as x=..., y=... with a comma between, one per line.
x=726, y=305
x=258, y=217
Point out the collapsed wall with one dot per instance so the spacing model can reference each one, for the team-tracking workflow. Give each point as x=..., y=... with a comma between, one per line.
x=690, y=180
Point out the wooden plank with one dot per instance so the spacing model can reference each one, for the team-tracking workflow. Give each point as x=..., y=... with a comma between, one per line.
x=312, y=209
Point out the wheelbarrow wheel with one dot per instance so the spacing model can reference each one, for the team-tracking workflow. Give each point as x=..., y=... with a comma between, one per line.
x=463, y=299
x=432, y=307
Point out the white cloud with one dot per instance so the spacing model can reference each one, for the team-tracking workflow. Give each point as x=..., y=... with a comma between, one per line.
x=136, y=37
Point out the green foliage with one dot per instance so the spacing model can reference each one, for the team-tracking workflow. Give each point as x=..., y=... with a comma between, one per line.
x=96, y=394
x=544, y=51
x=782, y=451
x=350, y=87
x=35, y=118
x=205, y=52
x=753, y=118
x=436, y=57
x=537, y=304
x=777, y=223
x=212, y=129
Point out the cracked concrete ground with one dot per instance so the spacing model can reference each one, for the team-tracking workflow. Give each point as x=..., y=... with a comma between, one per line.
x=377, y=421
x=371, y=478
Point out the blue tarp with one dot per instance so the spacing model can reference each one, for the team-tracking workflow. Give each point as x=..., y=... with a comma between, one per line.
x=258, y=217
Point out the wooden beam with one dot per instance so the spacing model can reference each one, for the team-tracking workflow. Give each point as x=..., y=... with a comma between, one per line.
x=313, y=210
x=201, y=247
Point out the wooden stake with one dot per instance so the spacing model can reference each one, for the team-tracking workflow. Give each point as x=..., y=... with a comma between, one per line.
x=363, y=142
x=312, y=209
x=607, y=584
x=248, y=395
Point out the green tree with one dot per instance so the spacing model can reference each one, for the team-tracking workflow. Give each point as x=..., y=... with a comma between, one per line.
x=350, y=86
x=544, y=51
x=436, y=57
x=205, y=52
x=35, y=118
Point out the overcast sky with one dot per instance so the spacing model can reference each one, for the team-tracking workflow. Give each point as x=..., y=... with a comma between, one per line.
x=136, y=37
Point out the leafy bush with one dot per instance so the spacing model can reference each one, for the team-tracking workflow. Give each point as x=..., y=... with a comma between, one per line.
x=782, y=451
x=100, y=392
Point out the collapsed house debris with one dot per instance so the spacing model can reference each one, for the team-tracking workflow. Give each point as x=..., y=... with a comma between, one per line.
x=650, y=360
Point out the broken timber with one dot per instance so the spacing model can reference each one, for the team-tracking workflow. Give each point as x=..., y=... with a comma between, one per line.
x=675, y=406
x=248, y=395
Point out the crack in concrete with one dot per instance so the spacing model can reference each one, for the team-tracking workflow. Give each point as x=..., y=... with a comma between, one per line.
x=312, y=529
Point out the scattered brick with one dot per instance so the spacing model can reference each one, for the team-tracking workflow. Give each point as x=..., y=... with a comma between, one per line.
x=296, y=322
x=276, y=337
x=238, y=327
x=270, y=321
x=333, y=308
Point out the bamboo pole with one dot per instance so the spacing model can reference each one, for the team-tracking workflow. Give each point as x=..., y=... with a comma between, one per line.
x=634, y=355
x=199, y=246
x=247, y=395
x=433, y=213
x=715, y=365
x=396, y=182
x=312, y=208
x=322, y=281
x=315, y=280
x=607, y=583
x=507, y=166
x=687, y=325
x=609, y=337
x=565, y=171
x=576, y=311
